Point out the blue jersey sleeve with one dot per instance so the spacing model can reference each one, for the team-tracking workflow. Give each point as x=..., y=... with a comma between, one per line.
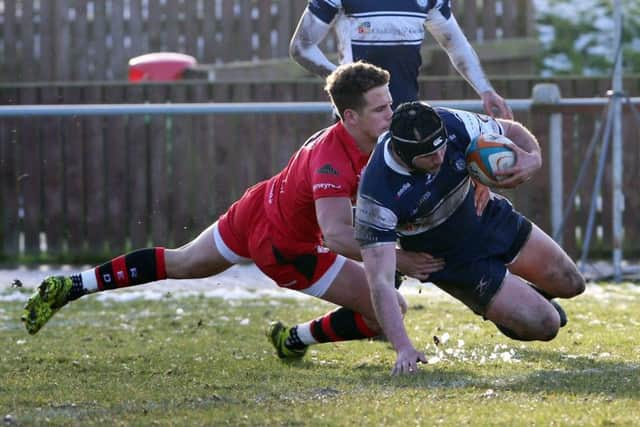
x=375, y=219
x=325, y=10
x=463, y=126
x=375, y=224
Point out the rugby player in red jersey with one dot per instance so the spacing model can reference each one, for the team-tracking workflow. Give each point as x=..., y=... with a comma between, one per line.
x=296, y=226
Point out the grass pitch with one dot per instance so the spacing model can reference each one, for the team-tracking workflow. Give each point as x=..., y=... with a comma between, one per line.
x=206, y=361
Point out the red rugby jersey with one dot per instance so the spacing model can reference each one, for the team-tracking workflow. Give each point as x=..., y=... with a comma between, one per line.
x=329, y=164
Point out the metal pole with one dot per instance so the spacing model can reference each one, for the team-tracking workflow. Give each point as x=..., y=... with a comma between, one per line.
x=556, y=173
x=549, y=94
x=616, y=148
x=596, y=188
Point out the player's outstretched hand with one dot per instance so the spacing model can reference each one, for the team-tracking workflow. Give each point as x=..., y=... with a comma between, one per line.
x=418, y=265
x=407, y=361
x=495, y=105
x=526, y=166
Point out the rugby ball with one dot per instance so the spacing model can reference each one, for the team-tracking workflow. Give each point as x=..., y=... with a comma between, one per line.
x=487, y=153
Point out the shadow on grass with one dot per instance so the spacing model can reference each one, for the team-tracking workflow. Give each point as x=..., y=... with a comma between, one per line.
x=580, y=375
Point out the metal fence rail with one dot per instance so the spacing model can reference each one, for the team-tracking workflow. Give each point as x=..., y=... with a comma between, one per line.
x=173, y=167
x=521, y=105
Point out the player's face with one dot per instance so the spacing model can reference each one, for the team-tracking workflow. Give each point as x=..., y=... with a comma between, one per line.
x=430, y=163
x=375, y=117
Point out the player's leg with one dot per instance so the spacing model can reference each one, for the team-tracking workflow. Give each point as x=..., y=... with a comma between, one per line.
x=206, y=255
x=537, y=262
x=547, y=266
x=354, y=319
x=522, y=313
x=548, y=270
x=217, y=248
x=198, y=258
x=490, y=290
x=350, y=290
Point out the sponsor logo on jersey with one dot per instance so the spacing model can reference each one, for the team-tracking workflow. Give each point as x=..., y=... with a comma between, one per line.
x=270, y=198
x=326, y=186
x=364, y=27
x=420, y=202
x=405, y=187
x=422, y=3
x=460, y=164
x=424, y=197
x=327, y=170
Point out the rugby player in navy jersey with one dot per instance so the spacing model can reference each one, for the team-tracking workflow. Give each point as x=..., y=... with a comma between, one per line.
x=389, y=34
x=416, y=193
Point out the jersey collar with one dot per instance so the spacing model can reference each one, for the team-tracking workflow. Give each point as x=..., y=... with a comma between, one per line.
x=391, y=162
x=349, y=143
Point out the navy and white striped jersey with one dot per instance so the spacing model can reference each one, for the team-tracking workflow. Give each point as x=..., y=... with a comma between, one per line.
x=426, y=212
x=386, y=33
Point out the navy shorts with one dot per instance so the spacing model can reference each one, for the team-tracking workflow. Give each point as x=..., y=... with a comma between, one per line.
x=475, y=275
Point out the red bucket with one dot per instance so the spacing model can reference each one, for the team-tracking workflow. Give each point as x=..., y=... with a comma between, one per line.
x=159, y=66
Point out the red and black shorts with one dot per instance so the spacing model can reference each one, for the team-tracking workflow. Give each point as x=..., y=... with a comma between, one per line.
x=244, y=234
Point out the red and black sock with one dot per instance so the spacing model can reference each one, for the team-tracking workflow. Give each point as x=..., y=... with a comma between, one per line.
x=342, y=324
x=135, y=268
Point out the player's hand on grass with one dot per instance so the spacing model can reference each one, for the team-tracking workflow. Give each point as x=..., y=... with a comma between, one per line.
x=418, y=265
x=482, y=197
x=527, y=164
x=407, y=361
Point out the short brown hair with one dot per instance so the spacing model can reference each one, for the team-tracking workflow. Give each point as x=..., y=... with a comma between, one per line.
x=348, y=83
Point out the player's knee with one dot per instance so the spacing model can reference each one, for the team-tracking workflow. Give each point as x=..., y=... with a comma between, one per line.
x=549, y=328
x=538, y=325
x=579, y=283
x=546, y=324
x=574, y=283
x=569, y=280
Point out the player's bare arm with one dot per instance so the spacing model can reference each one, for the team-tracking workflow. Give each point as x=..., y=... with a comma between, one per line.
x=528, y=154
x=379, y=265
x=464, y=58
x=335, y=218
x=304, y=47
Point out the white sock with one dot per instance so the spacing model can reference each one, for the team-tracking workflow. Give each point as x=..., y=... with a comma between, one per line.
x=304, y=333
x=89, y=282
